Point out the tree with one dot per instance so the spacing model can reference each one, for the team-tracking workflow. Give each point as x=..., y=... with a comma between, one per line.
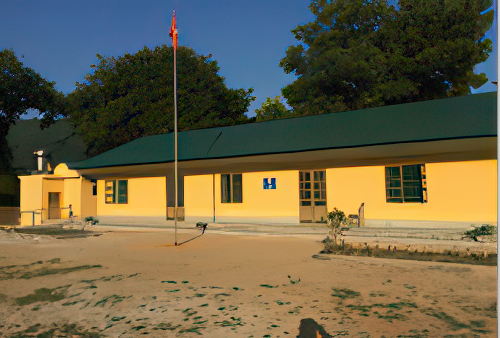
x=272, y=109
x=366, y=53
x=131, y=96
x=21, y=88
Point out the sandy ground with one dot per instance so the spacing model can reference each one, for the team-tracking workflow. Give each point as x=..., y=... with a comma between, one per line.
x=134, y=283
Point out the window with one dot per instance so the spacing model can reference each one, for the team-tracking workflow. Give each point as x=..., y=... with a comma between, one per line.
x=94, y=187
x=312, y=188
x=116, y=191
x=406, y=183
x=231, y=188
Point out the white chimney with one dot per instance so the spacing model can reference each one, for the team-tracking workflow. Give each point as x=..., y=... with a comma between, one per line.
x=39, y=153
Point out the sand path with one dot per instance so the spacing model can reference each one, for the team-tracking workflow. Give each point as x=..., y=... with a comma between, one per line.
x=133, y=283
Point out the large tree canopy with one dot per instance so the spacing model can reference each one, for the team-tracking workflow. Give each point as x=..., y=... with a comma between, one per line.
x=131, y=96
x=21, y=88
x=272, y=109
x=366, y=53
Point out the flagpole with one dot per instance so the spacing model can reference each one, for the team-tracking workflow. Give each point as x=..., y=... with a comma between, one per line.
x=175, y=137
x=174, y=40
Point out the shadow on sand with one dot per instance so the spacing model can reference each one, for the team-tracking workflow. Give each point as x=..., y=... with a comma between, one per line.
x=310, y=329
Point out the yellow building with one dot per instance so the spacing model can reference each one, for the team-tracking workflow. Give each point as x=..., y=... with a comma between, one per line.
x=425, y=164
x=49, y=196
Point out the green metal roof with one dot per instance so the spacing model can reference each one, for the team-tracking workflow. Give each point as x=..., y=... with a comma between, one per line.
x=469, y=116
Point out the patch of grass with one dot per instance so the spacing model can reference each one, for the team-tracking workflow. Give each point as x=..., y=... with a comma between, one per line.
x=377, y=294
x=113, y=298
x=410, y=287
x=398, y=305
x=222, y=294
x=295, y=310
x=107, y=279
x=166, y=326
x=463, y=257
x=53, y=271
x=233, y=322
x=56, y=330
x=361, y=308
x=43, y=295
x=452, y=322
x=477, y=323
x=415, y=334
x=269, y=286
x=72, y=303
x=55, y=232
x=32, y=329
x=483, y=230
x=169, y=281
x=3, y=298
x=345, y=293
x=365, y=310
x=193, y=329
x=138, y=327
x=390, y=316
x=189, y=312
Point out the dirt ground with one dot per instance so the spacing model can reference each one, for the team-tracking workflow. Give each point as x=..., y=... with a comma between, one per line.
x=134, y=283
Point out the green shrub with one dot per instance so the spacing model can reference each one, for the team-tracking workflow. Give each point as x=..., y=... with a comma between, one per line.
x=336, y=220
x=483, y=230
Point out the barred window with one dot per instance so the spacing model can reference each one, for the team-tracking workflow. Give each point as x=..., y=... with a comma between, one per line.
x=406, y=184
x=231, y=188
x=116, y=191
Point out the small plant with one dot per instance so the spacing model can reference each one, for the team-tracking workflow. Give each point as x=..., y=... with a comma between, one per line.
x=336, y=221
x=483, y=230
x=91, y=220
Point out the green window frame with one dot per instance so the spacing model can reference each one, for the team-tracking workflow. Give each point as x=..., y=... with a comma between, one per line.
x=116, y=192
x=231, y=186
x=406, y=184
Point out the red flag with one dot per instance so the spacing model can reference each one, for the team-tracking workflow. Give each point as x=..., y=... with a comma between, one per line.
x=173, y=32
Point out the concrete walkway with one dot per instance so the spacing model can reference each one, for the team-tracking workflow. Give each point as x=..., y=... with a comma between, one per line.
x=430, y=240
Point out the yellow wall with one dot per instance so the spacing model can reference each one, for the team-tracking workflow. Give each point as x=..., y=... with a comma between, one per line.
x=198, y=198
x=62, y=170
x=71, y=195
x=280, y=205
x=31, y=198
x=457, y=192
x=89, y=201
x=146, y=197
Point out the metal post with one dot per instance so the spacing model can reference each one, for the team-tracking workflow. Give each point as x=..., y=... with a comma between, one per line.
x=175, y=144
x=213, y=188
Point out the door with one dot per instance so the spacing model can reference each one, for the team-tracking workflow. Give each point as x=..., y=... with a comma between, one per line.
x=313, y=196
x=54, y=205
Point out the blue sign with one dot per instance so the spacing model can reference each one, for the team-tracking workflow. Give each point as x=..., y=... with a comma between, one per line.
x=269, y=183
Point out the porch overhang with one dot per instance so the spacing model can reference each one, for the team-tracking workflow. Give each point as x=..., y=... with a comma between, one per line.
x=429, y=151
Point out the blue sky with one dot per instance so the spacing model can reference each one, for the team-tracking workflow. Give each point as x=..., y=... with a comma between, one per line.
x=60, y=38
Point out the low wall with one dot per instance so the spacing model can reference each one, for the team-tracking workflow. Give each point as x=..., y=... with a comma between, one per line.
x=10, y=216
